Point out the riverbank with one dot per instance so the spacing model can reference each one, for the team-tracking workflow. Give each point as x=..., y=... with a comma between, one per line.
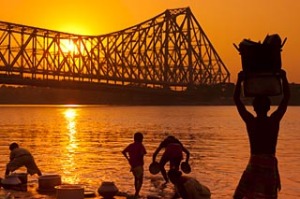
x=32, y=193
x=41, y=95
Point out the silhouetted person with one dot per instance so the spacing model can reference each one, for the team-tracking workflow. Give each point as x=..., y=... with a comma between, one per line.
x=135, y=153
x=261, y=177
x=188, y=187
x=173, y=154
x=21, y=157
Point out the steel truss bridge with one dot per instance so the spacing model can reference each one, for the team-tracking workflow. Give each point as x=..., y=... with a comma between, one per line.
x=169, y=52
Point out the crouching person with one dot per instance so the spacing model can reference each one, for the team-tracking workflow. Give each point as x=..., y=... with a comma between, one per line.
x=21, y=157
x=188, y=187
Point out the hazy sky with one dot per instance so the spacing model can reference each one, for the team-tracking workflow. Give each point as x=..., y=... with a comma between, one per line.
x=224, y=21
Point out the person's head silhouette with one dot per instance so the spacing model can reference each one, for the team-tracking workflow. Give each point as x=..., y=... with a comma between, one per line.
x=261, y=104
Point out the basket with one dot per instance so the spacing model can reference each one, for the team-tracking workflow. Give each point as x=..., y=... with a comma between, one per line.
x=261, y=57
x=268, y=84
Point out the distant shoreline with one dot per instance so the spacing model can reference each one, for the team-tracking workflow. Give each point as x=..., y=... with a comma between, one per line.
x=54, y=96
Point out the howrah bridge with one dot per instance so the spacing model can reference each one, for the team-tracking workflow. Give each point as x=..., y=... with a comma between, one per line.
x=168, y=53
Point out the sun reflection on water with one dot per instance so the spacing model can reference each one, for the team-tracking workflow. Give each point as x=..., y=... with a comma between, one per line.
x=71, y=146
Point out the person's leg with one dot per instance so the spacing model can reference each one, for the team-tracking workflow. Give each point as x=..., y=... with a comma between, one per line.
x=175, y=163
x=138, y=182
x=7, y=171
x=162, y=164
x=31, y=166
x=39, y=173
x=138, y=173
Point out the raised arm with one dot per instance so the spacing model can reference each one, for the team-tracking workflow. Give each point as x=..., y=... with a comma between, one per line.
x=237, y=98
x=280, y=111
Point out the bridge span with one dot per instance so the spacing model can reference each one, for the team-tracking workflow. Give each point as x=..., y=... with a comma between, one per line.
x=168, y=53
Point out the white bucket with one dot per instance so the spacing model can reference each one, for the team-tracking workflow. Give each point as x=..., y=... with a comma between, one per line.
x=69, y=192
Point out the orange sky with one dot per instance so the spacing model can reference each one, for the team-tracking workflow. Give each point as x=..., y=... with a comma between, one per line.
x=224, y=21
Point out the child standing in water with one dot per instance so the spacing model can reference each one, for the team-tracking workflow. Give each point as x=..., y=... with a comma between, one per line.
x=135, y=153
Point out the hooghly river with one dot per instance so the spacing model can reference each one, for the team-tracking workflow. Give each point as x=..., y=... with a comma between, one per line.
x=83, y=144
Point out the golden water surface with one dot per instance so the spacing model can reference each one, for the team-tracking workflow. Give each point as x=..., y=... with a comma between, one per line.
x=83, y=144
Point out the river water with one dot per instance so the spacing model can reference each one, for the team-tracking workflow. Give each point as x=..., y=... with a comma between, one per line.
x=83, y=144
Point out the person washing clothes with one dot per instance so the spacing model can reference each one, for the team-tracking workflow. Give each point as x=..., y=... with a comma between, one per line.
x=173, y=153
x=21, y=157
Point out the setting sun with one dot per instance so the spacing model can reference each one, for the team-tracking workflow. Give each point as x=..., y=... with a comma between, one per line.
x=70, y=114
x=70, y=47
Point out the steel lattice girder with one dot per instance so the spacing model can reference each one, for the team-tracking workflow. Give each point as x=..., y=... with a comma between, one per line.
x=168, y=51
